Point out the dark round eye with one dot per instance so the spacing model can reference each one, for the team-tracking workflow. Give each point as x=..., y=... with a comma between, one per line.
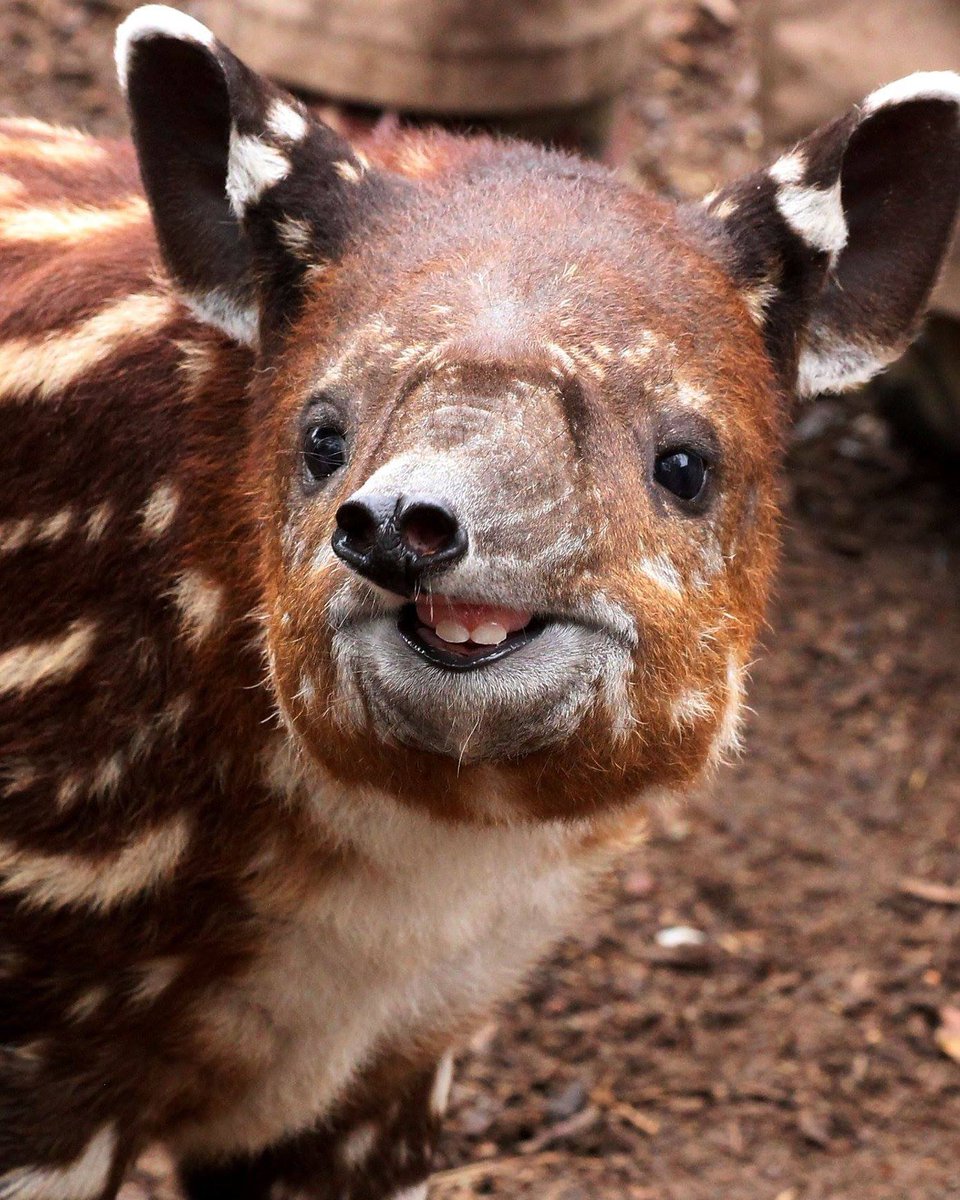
x=682, y=472
x=324, y=450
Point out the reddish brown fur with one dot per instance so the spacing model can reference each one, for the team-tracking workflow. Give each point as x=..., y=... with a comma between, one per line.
x=731, y=368
x=187, y=827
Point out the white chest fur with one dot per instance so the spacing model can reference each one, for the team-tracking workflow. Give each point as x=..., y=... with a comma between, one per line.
x=436, y=923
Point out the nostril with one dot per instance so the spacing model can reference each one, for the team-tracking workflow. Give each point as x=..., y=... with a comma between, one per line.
x=359, y=524
x=428, y=528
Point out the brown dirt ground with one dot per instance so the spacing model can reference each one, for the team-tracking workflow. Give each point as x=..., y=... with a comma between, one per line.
x=810, y=1048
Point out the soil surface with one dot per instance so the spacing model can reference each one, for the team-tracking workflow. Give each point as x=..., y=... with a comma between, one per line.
x=808, y=1045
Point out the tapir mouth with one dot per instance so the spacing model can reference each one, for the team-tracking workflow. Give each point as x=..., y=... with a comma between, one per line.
x=463, y=637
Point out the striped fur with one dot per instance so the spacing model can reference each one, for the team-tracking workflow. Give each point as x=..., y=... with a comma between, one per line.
x=260, y=868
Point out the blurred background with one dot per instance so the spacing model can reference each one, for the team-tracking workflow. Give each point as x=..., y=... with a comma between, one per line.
x=768, y=1005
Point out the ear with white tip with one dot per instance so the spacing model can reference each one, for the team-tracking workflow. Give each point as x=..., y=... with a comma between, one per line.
x=247, y=190
x=837, y=246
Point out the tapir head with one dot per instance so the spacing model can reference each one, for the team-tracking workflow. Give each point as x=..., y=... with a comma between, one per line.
x=516, y=427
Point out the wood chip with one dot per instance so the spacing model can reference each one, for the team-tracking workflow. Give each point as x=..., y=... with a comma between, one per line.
x=724, y=12
x=647, y=1125
x=931, y=892
x=578, y=1123
x=947, y=1036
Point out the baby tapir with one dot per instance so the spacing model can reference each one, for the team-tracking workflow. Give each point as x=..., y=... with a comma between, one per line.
x=381, y=528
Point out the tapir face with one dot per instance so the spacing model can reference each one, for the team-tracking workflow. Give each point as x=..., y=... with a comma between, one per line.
x=549, y=523
x=516, y=427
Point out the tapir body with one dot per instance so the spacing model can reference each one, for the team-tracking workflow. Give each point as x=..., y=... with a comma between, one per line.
x=381, y=528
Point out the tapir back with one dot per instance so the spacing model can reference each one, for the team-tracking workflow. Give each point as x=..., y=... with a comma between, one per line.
x=121, y=555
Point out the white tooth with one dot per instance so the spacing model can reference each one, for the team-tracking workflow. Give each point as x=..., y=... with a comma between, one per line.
x=452, y=631
x=489, y=635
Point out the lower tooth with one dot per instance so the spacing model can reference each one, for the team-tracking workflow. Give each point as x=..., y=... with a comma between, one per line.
x=451, y=631
x=489, y=635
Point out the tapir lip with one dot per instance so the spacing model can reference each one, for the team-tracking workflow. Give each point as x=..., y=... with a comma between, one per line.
x=408, y=626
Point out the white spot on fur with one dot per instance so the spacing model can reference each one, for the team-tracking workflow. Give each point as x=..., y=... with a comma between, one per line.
x=107, y=775
x=661, y=570
x=27, y=140
x=71, y=223
x=15, y=534
x=408, y=356
x=308, y=691
x=921, y=85
x=160, y=509
x=200, y=601
x=55, y=527
x=586, y=362
x=34, y=664
x=98, y=520
x=789, y=168
x=253, y=167
x=727, y=741
x=647, y=343
x=83, y=1179
x=68, y=790
x=153, y=978
x=349, y=171
x=440, y=1092
x=358, y=1145
x=175, y=712
x=713, y=562
x=419, y=1192
x=721, y=208
x=155, y=20
x=563, y=359
x=296, y=236
x=814, y=214
x=47, y=364
x=103, y=881
x=690, y=708
x=758, y=299
x=284, y=121
x=87, y=1003
x=693, y=397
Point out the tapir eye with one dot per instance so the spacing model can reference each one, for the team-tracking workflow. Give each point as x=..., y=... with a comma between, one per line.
x=324, y=451
x=682, y=472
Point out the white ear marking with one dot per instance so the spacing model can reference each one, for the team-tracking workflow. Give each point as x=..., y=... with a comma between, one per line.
x=921, y=85
x=831, y=363
x=284, y=121
x=218, y=308
x=788, y=168
x=252, y=168
x=156, y=20
x=815, y=214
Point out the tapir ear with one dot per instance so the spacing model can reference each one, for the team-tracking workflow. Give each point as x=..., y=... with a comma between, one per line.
x=837, y=246
x=247, y=190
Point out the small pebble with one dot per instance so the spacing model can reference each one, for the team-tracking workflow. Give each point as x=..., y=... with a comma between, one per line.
x=680, y=935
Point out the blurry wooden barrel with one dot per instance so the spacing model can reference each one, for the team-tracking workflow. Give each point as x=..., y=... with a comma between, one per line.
x=443, y=56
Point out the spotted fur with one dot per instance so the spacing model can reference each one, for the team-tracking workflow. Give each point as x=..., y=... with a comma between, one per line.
x=261, y=867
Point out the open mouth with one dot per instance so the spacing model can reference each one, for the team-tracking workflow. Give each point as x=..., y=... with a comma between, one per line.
x=463, y=637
